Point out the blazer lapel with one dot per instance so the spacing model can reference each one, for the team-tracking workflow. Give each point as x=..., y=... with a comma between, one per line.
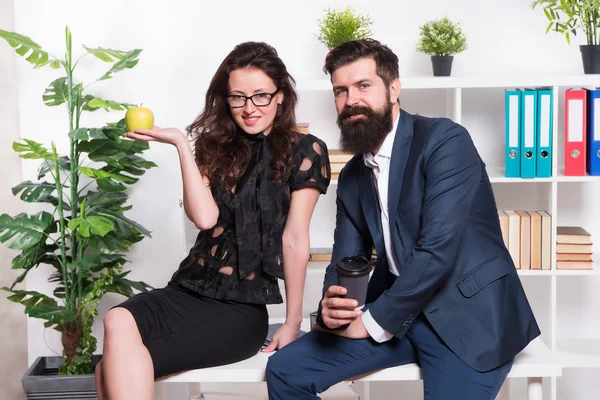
x=400, y=152
x=370, y=205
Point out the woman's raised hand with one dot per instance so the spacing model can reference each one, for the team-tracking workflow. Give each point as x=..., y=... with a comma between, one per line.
x=157, y=134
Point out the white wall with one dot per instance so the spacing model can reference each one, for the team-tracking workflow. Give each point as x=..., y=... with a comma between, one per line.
x=183, y=44
x=13, y=338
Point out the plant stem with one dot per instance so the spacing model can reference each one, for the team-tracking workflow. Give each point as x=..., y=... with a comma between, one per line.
x=61, y=222
x=73, y=105
x=79, y=277
x=595, y=25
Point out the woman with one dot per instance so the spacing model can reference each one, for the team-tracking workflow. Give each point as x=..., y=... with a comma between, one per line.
x=251, y=189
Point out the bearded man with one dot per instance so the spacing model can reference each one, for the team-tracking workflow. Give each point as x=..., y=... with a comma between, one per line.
x=444, y=290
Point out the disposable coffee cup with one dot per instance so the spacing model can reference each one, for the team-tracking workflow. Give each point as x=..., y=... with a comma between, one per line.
x=353, y=274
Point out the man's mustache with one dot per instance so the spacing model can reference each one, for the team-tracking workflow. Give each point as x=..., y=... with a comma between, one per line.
x=356, y=110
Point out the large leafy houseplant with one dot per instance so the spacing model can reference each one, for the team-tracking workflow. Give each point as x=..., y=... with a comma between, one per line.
x=82, y=230
x=339, y=26
x=567, y=17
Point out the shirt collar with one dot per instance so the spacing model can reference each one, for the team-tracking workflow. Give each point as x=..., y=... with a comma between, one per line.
x=386, y=147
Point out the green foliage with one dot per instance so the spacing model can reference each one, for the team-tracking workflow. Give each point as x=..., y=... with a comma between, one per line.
x=441, y=37
x=84, y=236
x=337, y=27
x=569, y=16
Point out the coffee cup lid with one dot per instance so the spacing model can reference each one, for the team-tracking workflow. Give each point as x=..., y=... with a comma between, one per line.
x=353, y=265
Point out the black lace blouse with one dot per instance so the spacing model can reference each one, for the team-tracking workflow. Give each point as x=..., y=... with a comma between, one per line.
x=241, y=257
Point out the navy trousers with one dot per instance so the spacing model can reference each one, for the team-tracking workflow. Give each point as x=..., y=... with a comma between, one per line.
x=318, y=360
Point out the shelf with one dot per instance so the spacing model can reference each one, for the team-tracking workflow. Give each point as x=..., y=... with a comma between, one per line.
x=451, y=82
x=586, y=178
x=520, y=272
x=534, y=272
x=578, y=352
x=578, y=272
x=496, y=175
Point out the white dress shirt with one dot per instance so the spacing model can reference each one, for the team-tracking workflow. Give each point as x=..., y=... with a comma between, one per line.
x=380, y=164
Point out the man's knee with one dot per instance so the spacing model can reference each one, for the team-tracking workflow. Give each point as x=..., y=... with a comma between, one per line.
x=284, y=367
x=276, y=365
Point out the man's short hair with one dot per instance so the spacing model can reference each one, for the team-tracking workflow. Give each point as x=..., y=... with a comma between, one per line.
x=348, y=52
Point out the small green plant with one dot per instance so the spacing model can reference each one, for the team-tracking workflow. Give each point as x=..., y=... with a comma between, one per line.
x=441, y=37
x=337, y=27
x=569, y=16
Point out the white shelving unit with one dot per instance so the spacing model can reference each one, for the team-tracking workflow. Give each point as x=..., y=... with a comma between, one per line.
x=573, y=353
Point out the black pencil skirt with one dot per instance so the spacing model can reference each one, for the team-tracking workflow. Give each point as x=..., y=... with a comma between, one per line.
x=184, y=330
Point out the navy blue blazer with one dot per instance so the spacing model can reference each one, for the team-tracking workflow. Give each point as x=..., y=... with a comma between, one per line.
x=445, y=231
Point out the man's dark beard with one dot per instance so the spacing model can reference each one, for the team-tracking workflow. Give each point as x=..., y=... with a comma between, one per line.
x=366, y=133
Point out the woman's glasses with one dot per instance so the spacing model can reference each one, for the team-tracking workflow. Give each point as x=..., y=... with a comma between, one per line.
x=258, y=99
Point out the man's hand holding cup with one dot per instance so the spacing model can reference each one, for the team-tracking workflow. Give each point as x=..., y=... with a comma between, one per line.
x=342, y=303
x=336, y=310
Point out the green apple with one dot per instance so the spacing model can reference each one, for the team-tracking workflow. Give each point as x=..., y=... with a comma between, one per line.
x=139, y=118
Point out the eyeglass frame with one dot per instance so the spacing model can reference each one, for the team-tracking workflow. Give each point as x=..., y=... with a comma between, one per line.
x=251, y=99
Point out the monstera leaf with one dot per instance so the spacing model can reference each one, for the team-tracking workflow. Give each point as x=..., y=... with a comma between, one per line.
x=93, y=103
x=34, y=192
x=107, y=55
x=57, y=93
x=26, y=230
x=129, y=60
x=32, y=150
x=29, y=49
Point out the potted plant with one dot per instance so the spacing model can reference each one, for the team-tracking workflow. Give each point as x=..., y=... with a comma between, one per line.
x=339, y=26
x=81, y=230
x=441, y=39
x=569, y=16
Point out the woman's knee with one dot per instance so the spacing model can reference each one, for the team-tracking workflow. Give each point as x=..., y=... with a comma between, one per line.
x=98, y=371
x=119, y=322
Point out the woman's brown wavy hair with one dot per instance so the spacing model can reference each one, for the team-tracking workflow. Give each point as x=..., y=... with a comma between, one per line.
x=221, y=153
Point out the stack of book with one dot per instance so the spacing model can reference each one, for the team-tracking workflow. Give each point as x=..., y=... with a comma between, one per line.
x=302, y=127
x=573, y=248
x=320, y=254
x=338, y=160
x=528, y=237
x=324, y=254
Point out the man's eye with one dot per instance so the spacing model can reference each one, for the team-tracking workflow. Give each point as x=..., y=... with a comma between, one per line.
x=364, y=85
x=339, y=92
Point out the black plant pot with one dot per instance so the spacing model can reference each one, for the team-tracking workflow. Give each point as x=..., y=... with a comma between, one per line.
x=590, y=55
x=42, y=382
x=442, y=65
